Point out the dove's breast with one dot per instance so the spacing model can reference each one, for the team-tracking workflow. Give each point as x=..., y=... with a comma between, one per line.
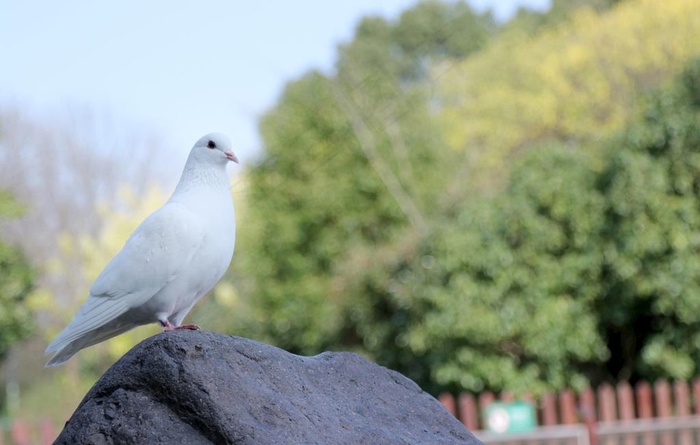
x=215, y=222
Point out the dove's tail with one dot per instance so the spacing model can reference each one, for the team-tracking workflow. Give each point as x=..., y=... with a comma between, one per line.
x=64, y=352
x=99, y=319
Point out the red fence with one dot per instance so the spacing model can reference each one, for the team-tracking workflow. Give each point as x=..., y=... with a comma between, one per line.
x=606, y=403
x=24, y=433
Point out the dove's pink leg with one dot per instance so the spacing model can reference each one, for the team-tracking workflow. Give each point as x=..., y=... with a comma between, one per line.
x=167, y=326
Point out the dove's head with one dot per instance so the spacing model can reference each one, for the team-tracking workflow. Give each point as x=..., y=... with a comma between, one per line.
x=213, y=147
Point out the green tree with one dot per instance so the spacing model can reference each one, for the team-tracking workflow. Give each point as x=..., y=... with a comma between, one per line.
x=16, y=283
x=428, y=33
x=352, y=160
x=500, y=296
x=311, y=196
x=364, y=231
x=529, y=22
x=650, y=312
x=573, y=273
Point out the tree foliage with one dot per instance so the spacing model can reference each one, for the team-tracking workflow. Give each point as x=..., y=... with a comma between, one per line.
x=552, y=248
x=351, y=161
x=16, y=283
x=652, y=238
x=530, y=22
x=576, y=82
x=572, y=274
x=500, y=295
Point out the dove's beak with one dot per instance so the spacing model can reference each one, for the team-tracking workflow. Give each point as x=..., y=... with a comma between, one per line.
x=231, y=157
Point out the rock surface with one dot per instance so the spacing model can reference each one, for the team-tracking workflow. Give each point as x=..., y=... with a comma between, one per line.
x=194, y=387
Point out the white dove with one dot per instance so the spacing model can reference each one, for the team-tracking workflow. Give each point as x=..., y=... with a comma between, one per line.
x=173, y=258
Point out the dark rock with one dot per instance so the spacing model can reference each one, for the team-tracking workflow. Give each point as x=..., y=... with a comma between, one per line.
x=194, y=387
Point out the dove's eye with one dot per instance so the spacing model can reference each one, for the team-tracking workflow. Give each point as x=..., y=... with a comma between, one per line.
x=211, y=144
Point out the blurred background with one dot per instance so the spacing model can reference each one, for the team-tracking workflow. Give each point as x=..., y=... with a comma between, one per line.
x=490, y=195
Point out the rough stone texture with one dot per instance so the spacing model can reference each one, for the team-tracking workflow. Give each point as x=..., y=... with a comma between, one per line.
x=194, y=387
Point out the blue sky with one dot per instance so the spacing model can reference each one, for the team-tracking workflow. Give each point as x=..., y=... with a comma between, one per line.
x=184, y=70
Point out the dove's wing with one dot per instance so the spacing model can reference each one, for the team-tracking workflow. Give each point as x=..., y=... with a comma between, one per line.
x=159, y=250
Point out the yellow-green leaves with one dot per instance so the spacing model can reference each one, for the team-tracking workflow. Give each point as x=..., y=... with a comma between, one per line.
x=577, y=82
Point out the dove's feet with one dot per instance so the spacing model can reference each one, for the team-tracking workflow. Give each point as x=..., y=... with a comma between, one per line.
x=191, y=327
x=169, y=327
